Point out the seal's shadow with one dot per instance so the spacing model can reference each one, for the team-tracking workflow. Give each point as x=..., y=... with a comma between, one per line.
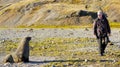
x=49, y=61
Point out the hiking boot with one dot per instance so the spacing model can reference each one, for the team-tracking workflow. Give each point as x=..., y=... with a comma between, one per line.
x=101, y=54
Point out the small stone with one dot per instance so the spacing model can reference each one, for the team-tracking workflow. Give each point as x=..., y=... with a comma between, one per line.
x=86, y=60
x=8, y=58
x=48, y=11
x=86, y=29
x=30, y=30
x=119, y=46
x=52, y=42
x=43, y=29
x=114, y=61
x=7, y=64
x=3, y=41
x=71, y=33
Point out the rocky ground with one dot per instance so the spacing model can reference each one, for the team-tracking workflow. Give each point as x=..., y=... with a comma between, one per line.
x=43, y=33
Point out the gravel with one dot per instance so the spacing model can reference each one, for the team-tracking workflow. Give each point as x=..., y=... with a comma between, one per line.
x=42, y=33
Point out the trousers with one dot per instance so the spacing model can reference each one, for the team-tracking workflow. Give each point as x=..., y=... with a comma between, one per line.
x=102, y=41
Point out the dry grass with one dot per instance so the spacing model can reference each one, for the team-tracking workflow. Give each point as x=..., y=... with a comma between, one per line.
x=62, y=8
x=115, y=24
x=65, y=8
x=112, y=25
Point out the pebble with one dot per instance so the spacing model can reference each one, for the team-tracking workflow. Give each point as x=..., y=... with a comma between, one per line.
x=86, y=29
x=86, y=60
x=7, y=65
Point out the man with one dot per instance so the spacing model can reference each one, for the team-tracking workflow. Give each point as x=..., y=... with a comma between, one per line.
x=104, y=17
x=101, y=31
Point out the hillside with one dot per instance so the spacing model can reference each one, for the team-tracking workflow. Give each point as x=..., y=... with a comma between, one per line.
x=25, y=13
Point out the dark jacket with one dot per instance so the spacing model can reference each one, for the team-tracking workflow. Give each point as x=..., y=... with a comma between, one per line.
x=105, y=22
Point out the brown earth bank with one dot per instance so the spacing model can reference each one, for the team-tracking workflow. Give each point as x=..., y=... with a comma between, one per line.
x=25, y=13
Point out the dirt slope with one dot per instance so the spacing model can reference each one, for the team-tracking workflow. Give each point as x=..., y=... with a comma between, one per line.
x=15, y=13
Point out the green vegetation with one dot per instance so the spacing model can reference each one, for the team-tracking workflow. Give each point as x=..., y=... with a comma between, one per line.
x=57, y=26
x=112, y=25
x=8, y=46
x=70, y=51
x=115, y=24
x=56, y=46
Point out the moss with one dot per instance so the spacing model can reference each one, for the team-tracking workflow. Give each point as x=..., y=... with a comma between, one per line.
x=66, y=50
x=10, y=45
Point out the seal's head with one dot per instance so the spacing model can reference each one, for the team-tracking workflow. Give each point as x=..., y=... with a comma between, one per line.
x=28, y=38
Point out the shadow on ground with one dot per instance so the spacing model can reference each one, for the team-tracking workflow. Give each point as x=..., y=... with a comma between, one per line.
x=49, y=61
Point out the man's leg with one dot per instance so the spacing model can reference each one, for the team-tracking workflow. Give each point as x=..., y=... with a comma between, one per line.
x=100, y=46
x=104, y=43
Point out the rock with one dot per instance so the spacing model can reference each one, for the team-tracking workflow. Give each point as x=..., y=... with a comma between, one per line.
x=43, y=29
x=3, y=41
x=8, y=58
x=30, y=30
x=86, y=6
x=86, y=29
x=7, y=65
x=119, y=31
x=86, y=60
x=70, y=34
x=114, y=61
x=119, y=46
x=86, y=13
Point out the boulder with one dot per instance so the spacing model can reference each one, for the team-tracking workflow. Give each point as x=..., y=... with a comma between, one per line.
x=8, y=58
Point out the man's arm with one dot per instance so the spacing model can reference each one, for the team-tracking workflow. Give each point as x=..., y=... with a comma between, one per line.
x=108, y=27
x=95, y=28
